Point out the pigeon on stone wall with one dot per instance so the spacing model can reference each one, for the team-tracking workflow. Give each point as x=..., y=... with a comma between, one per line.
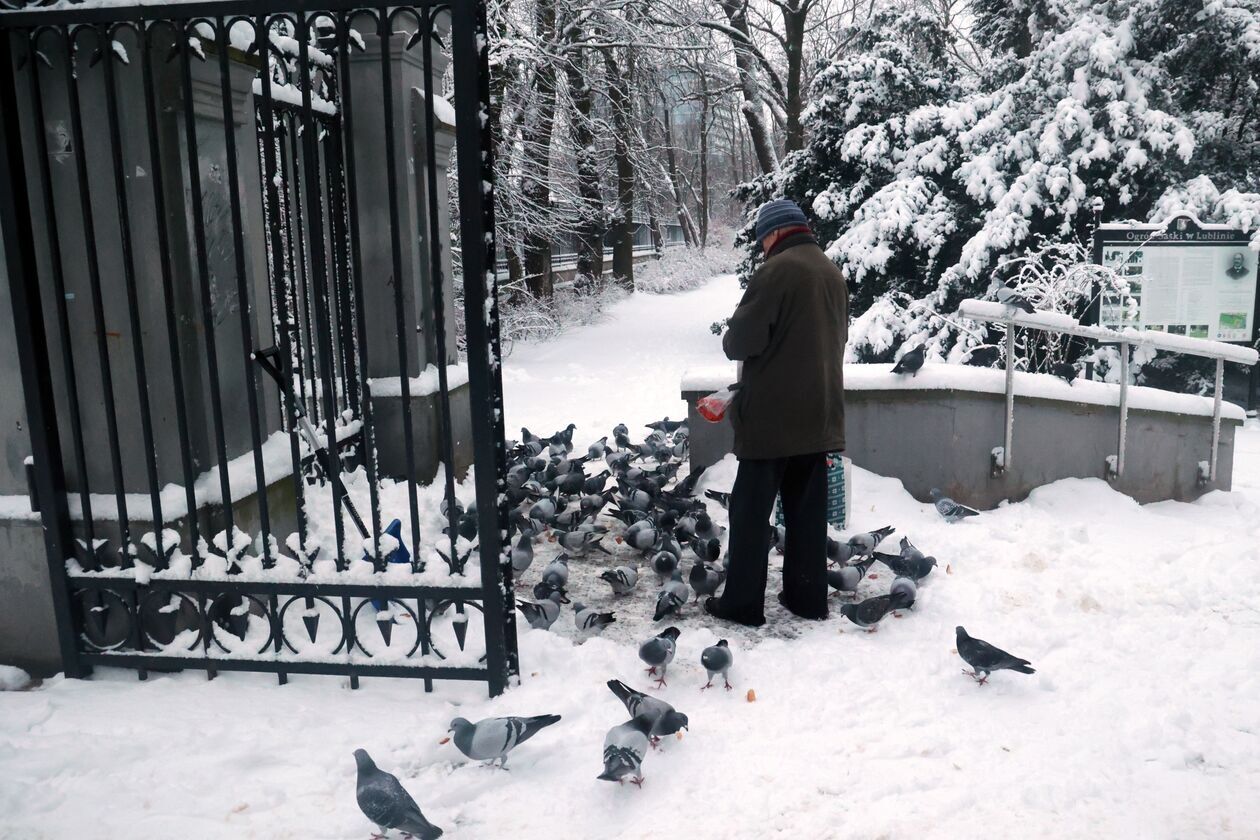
x=911, y=360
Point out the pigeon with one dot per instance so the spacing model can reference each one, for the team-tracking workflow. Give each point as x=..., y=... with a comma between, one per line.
x=595, y=484
x=705, y=579
x=687, y=487
x=864, y=545
x=838, y=552
x=911, y=361
x=556, y=575
x=624, y=748
x=870, y=612
x=707, y=550
x=847, y=578
x=723, y=499
x=622, y=579
x=585, y=618
x=911, y=563
x=902, y=593
x=544, y=510
x=717, y=659
x=597, y=450
x=672, y=597
x=658, y=651
x=984, y=658
x=493, y=738
x=385, y=802
x=950, y=510
x=571, y=482
x=778, y=538
x=543, y=614
x=1065, y=371
x=642, y=535
x=544, y=591
x=983, y=356
x=667, y=426
x=1013, y=299
x=706, y=529
x=579, y=542
x=522, y=554
x=666, y=720
x=664, y=563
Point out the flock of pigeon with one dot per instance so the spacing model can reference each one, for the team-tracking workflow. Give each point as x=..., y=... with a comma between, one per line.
x=660, y=516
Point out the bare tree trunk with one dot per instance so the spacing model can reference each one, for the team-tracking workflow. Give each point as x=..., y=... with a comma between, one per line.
x=590, y=239
x=623, y=223
x=794, y=44
x=754, y=108
x=536, y=186
x=671, y=159
x=704, y=159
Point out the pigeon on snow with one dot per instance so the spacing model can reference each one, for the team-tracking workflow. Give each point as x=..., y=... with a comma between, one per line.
x=624, y=748
x=984, y=658
x=911, y=563
x=522, y=554
x=864, y=545
x=673, y=595
x=385, y=802
x=1065, y=371
x=869, y=613
x=847, y=578
x=658, y=651
x=493, y=738
x=586, y=618
x=718, y=659
x=543, y=614
x=666, y=720
x=911, y=361
x=950, y=510
x=622, y=579
x=902, y=593
x=705, y=579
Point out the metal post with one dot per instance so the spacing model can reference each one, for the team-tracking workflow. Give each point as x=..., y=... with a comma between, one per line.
x=32, y=349
x=476, y=200
x=1124, y=406
x=1010, y=396
x=1216, y=419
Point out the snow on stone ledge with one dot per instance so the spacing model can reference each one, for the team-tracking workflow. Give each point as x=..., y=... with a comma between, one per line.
x=942, y=377
x=424, y=385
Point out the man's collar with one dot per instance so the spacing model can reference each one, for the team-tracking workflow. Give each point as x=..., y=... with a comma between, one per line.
x=791, y=242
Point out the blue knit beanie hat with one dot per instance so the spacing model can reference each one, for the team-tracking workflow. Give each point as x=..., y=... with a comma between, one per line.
x=780, y=213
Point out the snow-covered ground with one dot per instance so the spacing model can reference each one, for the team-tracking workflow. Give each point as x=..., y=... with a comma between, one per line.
x=1143, y=718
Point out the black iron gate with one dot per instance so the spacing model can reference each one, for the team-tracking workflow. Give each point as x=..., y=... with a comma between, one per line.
x=184, y=219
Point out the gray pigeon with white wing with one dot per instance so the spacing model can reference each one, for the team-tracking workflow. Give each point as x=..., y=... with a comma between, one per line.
x=625, y=745
x=493, y=738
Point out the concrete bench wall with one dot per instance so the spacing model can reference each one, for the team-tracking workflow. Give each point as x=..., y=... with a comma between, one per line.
x=939, y=429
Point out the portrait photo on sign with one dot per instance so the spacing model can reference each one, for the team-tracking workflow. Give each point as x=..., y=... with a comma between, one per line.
x=1239, y=266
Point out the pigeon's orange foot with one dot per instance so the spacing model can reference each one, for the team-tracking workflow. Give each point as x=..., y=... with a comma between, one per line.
x=651, y=670
x=660, y=682
x=637, y=781
x=707, y=685
x=728, y=685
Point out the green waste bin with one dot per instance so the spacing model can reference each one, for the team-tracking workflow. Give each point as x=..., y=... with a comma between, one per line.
x=839, y=469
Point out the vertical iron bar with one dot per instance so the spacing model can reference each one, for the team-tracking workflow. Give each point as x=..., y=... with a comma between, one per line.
x=32, y=351
x=282, y=280
x=168, y=293
x=356, y=280
x=59, y=295
x=1216, y=418
x=243, y=297
x=301, y=278
x=435, y=273
x=469, y=45
x=133, y=305
x=319, y=269
x=98, y=304
x=334, y=167
x=404, y=372
x=1010, y=395
x=1124, y=406
x=203, y=270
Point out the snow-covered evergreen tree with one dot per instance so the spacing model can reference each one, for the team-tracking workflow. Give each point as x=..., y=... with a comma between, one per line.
x=926, y=182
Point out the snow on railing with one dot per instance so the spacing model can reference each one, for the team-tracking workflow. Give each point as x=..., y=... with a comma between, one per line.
x=984, y=310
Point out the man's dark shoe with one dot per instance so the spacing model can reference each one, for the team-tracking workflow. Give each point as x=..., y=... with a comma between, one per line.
x=783, y=602
x=713, y=606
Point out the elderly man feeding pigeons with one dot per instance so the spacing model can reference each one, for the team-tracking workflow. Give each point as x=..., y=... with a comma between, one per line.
x=788, y=332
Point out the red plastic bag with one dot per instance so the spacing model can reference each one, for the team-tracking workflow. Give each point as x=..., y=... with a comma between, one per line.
x=713, y=407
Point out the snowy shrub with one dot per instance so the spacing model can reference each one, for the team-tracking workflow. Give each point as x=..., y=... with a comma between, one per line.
x=682, y=268
x=927, y=182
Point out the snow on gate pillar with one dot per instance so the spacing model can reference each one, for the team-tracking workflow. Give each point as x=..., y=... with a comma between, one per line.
x=395, y=98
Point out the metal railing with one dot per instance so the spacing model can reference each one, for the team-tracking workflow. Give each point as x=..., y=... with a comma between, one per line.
x=1124, y=340
x=212, y=232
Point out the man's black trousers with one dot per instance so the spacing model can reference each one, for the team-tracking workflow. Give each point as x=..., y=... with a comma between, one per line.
x=801, y=480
